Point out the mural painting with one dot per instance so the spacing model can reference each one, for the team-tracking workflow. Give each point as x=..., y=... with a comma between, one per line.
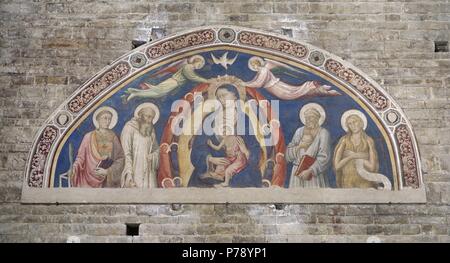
x=325, y=137
x=228, y=117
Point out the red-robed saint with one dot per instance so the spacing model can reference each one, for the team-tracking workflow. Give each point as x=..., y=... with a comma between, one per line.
x=100, y=158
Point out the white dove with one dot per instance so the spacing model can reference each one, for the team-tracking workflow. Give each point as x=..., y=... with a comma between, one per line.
x=224, y=61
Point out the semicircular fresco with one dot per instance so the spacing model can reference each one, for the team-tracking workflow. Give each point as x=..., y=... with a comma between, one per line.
x=227, y=107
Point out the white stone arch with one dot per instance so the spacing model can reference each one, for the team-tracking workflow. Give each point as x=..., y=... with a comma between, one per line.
x=42, y=154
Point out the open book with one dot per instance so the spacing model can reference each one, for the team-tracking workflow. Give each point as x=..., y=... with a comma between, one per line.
x=304, y=164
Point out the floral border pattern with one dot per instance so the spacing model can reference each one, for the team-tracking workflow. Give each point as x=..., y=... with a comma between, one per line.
x=407, y=156
x=376, y=98
x=39, y=160
x=110, y=77
x=183, y=41
x=272, y=42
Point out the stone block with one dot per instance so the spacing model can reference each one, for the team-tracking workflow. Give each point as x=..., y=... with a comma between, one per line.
x=219, y=238
x=238, y=18
x=255, y=8
x=285, y=8
x=176, y=8
x=169, y=229
x=216, y=229
x=410, y=229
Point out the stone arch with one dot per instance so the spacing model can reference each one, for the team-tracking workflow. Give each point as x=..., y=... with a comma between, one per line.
x=393, y=124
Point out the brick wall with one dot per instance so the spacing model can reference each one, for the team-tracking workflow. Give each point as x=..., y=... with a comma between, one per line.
x=48, y=48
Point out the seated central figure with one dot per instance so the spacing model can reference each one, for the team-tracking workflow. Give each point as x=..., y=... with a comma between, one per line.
x=224, y=158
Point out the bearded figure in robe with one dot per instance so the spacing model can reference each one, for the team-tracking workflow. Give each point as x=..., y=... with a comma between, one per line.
x=100, y=158
x=310, y=150
x=141, y=148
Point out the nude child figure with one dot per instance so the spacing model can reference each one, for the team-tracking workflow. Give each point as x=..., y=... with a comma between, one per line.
x=236, y=153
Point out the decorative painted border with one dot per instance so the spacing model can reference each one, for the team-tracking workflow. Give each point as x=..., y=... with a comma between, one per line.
x=134, y=62
x=87, y=94
x=39, y=159
x=273, y=43
x=376, y=98
x=407, y=156
x=184, y=41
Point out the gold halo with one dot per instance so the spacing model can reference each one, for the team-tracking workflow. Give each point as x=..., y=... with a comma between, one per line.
x=114, y=118
x=215, y=83
x=191, y=60
x=353, y=112
x=250, y=66
x=312, y=106
x=148, y=105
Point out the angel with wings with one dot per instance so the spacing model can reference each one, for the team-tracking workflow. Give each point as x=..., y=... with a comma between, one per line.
x=266, y=79
x=181, y=71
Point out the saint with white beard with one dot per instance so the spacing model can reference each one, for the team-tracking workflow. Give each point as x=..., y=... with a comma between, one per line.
x=141, y=148
x=309, y=151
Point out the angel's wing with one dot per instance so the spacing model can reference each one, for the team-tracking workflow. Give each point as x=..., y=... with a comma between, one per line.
x=276, y=66
x=170, y=69
x=272, y=64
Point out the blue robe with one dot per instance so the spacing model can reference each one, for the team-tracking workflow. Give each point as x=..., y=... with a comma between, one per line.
x=250, y=176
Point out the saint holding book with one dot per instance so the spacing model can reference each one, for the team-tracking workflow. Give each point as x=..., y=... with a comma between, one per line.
x=309, y=150
x=100, y=157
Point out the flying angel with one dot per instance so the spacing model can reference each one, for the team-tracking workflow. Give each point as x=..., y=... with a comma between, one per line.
x=266, y=79
x=224, y=61
x=181, y=71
